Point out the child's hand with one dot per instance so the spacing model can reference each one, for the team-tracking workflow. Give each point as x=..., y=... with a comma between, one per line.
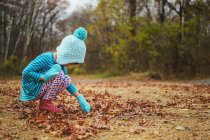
x=51, y=73
x=83, y=103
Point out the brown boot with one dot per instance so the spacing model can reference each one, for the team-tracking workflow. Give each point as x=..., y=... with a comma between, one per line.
x=47, y=105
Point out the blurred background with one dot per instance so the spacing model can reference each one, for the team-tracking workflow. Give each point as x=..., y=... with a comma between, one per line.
x=163, y=38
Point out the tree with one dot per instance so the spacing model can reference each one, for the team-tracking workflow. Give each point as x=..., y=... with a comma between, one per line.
x=23, y=22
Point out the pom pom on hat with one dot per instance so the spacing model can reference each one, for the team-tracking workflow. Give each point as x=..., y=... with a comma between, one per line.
x=80, y=33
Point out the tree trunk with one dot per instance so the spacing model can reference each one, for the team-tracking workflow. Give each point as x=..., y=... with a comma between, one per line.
x=17, y=42
x=19, y=27
x=2, y=35
x=162, y=11
x=5, y=31
x=181, y=15
x=9, y=36
x=132, y=7
x=30, y=27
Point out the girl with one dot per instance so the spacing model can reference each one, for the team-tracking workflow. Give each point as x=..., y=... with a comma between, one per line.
x=46, y=75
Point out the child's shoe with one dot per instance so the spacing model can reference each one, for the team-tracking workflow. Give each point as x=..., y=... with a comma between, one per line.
x=47, y=105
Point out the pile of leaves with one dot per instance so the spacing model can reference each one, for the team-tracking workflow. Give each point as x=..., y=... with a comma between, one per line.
x=9, y=91
x=197, y=94
x=74, y=123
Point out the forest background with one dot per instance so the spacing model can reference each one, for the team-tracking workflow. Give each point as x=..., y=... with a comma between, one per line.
x=162, y=38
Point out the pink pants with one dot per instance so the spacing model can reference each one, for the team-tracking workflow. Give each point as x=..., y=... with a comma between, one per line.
x=54, y=86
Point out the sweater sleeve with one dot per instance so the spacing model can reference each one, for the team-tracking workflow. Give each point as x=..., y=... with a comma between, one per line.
x=65, y=70
x=71, y=89
x=31, y=70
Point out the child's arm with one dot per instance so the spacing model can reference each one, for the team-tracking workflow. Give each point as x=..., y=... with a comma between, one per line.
x=31, y=70
x=74, y=92
x=39, y=63
x=81, y=99
x=51, y=73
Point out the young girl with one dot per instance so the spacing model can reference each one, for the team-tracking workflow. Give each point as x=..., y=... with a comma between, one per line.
x=46, y=76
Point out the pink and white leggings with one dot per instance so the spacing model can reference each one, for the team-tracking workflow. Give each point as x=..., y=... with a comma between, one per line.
x=54, y=86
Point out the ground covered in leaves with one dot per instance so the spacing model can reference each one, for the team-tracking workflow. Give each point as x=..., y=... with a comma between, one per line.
x=121, y=109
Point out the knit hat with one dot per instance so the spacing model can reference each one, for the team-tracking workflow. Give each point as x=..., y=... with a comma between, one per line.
x=72, y=48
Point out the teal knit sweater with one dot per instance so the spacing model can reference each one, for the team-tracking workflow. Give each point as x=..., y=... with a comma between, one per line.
x=31, y=84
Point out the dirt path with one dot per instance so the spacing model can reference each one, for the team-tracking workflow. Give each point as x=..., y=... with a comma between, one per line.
x=182, y=111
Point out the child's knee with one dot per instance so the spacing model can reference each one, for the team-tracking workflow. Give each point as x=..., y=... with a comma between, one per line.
x=63, y=79
x=67, y=80
x=60, y=77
